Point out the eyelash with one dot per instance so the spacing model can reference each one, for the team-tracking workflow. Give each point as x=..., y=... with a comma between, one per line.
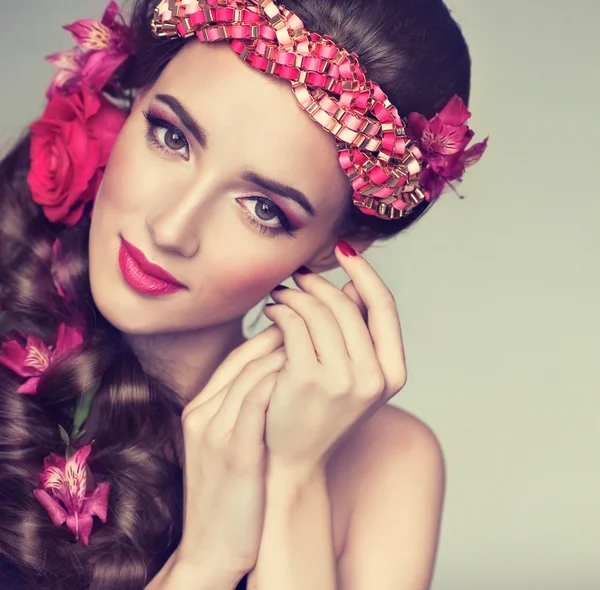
x=153, y=123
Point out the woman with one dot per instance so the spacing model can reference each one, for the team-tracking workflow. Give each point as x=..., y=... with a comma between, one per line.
x=145, y=442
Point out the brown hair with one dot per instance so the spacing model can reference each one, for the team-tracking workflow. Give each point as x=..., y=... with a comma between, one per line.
x=415, y=51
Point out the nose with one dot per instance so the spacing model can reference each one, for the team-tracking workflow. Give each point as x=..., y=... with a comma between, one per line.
x=173, y=230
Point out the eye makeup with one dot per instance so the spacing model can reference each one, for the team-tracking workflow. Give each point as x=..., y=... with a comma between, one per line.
x=160, y=132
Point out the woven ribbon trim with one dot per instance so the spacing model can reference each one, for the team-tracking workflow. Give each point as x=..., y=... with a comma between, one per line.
x=382, y=163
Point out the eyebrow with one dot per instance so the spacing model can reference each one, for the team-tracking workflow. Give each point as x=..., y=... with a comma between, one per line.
x=201, y=136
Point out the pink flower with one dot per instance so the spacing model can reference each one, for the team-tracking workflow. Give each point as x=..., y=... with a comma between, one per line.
x=36, y=357
x=443, y=140
x=69, y=500
x=103, y=47
x=70, y=144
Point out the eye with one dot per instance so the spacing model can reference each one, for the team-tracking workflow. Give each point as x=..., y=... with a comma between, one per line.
x=173, y=139
x=166, y=137
x=263, y=209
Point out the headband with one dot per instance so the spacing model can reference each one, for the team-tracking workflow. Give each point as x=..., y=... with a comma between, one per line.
x=375, y=145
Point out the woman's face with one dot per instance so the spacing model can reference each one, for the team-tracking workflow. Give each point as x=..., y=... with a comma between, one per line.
x=182, y=187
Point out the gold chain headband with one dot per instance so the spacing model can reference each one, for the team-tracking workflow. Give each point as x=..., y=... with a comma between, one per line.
x=382, y=163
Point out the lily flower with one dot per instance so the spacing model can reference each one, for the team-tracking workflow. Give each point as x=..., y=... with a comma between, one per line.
x=65, y=496
x=102, y=47
x=36, y=357
x=443, y=139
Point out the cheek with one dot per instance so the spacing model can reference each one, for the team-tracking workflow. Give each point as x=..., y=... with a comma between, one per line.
x=128, y=178
x=251, y=274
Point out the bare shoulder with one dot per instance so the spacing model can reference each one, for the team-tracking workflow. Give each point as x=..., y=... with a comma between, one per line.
x=386, y=488
x=405, y=428
x=392, y=459
x=391, y=436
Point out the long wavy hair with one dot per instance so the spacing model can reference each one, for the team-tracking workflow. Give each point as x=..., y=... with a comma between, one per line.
x=416, y=52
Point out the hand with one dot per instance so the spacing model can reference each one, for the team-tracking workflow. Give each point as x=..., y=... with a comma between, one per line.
x=224, y=472
x=345, y=358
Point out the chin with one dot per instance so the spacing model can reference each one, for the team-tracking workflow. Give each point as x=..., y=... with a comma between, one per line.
x=121, y=309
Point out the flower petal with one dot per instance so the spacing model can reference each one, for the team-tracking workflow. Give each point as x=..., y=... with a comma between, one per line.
x=474, y=153
x=106, y=126
x=68, y=337
x=79, y=457
x=417, y=124
x=91, y=34
x=81, y=525
x=30, y=386
x=432, y=183
x=12, y=355
x=53, y=476
x=55, y=511
x=90, y=101
x=71, y=59
x=99, y=68
x=76, y=476
x=53, y=479
x=97, y=503
x=70, y=217
x=38, y=355
x=111, y=13
x=455, y=113
x=54, y=460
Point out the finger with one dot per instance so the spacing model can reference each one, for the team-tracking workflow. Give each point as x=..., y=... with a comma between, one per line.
x=203, y=412
x=251, y=375
x=321, y=325
x=259, y=345
x=350, y=290
x=349, y=317
x=249, y=427
x=205, y=409
x=383, y=321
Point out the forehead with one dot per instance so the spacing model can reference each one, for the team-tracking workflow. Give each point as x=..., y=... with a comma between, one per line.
x=254, y=119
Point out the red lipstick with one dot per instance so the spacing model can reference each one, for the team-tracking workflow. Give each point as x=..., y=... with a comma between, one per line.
x=144, y=276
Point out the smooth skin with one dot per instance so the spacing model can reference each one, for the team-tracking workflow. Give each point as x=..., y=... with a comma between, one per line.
x=330, y=442
x=354, y=501
x=345, y=360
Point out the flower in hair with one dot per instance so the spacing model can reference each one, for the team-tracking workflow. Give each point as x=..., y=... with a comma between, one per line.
x=443, y=140
x=31, y=362
x=70, y=145
x=66, y=496
x=102, y=47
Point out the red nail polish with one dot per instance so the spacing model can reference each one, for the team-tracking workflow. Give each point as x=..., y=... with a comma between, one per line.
x=346, y=249
x=303, y=271
x=279, y=288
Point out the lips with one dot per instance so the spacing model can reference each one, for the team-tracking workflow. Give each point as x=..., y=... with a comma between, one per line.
x=144, y=276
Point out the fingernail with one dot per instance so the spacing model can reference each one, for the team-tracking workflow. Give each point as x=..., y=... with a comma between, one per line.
x=279, y=288
x=303, y=271
x=346, y=249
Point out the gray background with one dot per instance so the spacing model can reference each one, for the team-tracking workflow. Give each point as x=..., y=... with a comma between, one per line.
x=498, y=293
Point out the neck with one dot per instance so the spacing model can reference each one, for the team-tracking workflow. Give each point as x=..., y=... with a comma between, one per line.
x=187, y=360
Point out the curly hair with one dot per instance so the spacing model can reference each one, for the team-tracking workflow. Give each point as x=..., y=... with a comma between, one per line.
x=416, y=52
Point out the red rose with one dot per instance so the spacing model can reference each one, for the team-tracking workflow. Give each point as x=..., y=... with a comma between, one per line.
x=70, y=145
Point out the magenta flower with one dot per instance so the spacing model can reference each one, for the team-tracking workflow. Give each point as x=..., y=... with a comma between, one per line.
x=36, y=357
x=69, y=500
x=102, y=47
x=443, y=140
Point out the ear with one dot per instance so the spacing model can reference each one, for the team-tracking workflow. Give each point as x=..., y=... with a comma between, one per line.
x=326, y=260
